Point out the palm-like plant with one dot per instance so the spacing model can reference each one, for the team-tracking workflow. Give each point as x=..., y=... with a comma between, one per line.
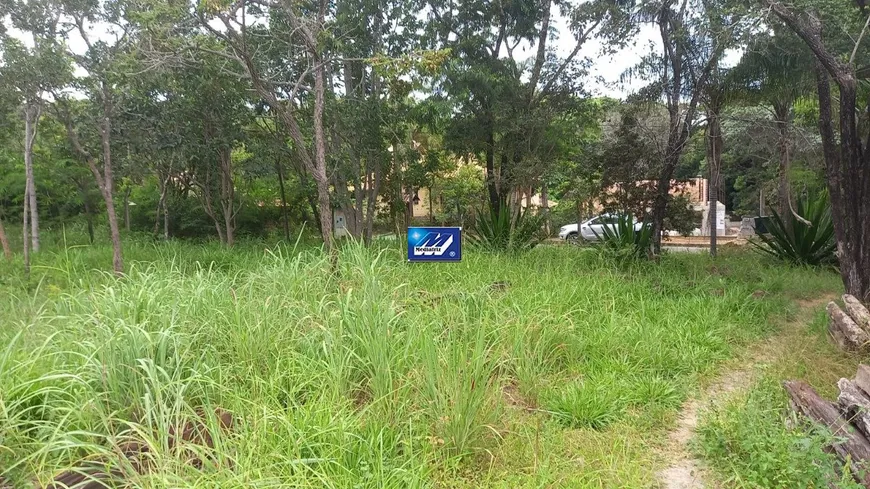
x=623, y=240
x=807, y=241
x=506, y=229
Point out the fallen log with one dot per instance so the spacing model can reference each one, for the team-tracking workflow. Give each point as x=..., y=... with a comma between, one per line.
x=854, y=405
x=862, y=378
x=857, y=311
x=845, y=331
x=850, y=444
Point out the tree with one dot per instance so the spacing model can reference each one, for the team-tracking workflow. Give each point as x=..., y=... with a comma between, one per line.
x=714, y=101
x=847, y=157
x=4, y=241
x=694, y=36
x=773, y=72
x=213, y=106
x=100, y=63
x=31, y=71
x=305, y=30
x=504, y=107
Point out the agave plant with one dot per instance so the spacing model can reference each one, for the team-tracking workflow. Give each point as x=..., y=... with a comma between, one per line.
x=805, y=241
x=506, y=229
x=624, y=239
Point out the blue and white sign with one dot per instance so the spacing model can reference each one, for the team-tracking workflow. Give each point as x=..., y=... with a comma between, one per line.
x=434, y=244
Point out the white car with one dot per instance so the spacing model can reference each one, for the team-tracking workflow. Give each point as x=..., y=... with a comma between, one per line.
x=593, y=228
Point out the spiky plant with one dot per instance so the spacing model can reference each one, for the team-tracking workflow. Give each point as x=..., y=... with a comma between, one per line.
x=506, y=229
x=623, y=241
x=806, y=241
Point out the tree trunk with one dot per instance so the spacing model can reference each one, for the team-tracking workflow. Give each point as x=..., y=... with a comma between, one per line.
x=324, y=203
x=848, y=184
x=31, y=121
x=127, y=209
x=229, y=226
x=371, y=209
x=115, y=232
x=781, y=112
x=431, y=207
x=206, y=197
x=311, y=197
x=409, y=209
x=107, y=186
x=4, y=242
x=714, y=157
x=848, y=174
x=660, y=207
x=545, y=207
x=165, y=221
x=227, y=195
x=25, y=232
x=89, y=212
x=491, y=179
x=284, y=215
x=161, y=205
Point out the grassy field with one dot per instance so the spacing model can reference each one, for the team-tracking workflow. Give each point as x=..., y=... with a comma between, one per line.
x=550, y=369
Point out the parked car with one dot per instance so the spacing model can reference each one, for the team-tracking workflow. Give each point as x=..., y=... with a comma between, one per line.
x=592, y=229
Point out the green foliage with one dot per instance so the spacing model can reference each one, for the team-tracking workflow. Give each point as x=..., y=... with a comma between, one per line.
x=507, y=228
x=461, y=193
x=681, y=217
x=755, y=441
x=622, y=242
x=795, y=241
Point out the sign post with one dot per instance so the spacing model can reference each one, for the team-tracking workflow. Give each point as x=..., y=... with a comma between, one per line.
x=434, y=244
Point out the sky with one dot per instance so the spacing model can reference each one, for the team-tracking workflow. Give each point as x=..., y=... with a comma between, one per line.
x=605, y=71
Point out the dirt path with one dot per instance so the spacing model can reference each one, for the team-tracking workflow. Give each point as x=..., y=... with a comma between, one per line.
x=684, y=471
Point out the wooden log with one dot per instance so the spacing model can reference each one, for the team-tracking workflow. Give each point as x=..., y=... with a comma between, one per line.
x=854, y=405
x=851, y=444
x=862, y=379
x=846, y=333
x=857, y=311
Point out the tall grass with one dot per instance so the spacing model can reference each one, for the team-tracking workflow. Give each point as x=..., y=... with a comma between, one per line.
x=382, y=374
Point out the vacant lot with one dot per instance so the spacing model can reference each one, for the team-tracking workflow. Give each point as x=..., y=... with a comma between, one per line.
x=550, y=369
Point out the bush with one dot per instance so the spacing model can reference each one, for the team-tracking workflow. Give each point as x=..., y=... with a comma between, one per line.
x=681, y=217
x=506, y=229
x=793, y=240
x=623, y=242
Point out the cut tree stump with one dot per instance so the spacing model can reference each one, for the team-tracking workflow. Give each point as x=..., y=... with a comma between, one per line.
x=845, y=331
x=858, y=312
x=852, y=445
x=855, y=405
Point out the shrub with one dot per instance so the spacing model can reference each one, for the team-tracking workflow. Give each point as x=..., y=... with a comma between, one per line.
x=681, y=217
x=623, y=241
x=793, y=240
x=506, y=229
